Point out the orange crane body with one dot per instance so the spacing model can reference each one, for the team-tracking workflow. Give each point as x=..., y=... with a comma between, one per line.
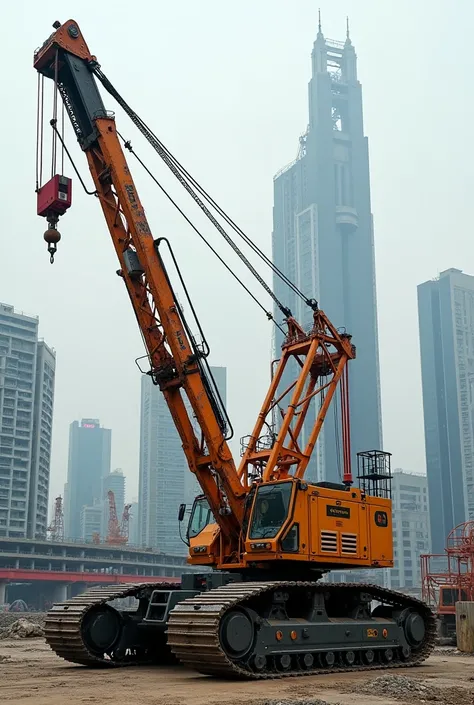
x=174, y=365
x=260, y=520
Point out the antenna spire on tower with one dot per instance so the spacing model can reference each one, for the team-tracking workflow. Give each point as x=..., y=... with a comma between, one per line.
x=348, y=38
x=319, y=22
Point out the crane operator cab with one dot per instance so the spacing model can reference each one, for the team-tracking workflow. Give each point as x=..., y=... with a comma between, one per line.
x=270, y=510
x=291, y=520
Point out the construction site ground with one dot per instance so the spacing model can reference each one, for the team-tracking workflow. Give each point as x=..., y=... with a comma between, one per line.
x=31, y=674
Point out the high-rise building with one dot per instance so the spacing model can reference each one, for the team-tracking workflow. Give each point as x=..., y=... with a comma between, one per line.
x=42, y=434
x=27, y=370
x=133, y=525
x=411, y=528
x=91, y=522
x=165, y=480
x=88, y=465
x=446, y=320
x=323, y=240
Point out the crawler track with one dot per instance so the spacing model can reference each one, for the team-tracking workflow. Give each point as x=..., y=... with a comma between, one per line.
x=64, y=626
x=194, y=631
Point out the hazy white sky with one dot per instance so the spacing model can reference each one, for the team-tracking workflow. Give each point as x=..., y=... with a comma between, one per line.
x=224, y=85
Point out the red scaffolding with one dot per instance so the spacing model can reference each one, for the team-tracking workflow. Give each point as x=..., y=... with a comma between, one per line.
x=448, y=577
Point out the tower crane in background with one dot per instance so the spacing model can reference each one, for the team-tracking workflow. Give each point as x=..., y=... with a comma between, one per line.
x=125, y=523
x=117, y=533
x=56, y=528
x=266, y=531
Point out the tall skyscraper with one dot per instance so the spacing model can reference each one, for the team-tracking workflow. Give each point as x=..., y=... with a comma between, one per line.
x=446, y=320
x=165, y=480
x=411, y=528
x=134, y=526
x=27, y=370
x=323, y=239
x=88, y=465
x=91, y=522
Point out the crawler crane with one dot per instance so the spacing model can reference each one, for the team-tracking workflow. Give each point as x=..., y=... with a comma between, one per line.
x=263, y=534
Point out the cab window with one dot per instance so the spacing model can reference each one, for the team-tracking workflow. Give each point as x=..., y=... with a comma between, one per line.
x=270, y=510
x=201, y=516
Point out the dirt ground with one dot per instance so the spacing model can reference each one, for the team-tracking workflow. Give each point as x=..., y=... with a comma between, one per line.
x=30, y=674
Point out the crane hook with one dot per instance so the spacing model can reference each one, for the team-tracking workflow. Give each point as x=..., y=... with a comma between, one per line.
x=52, y=236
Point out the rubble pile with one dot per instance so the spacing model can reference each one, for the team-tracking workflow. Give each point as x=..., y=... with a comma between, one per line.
x=22, y=629
x=302, y=701
x=412, y=690
x=452, y=651
x=8, y=618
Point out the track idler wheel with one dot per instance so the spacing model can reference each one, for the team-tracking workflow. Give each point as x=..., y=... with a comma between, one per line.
x=102, y=629
x=237, y=634
x=414, y=628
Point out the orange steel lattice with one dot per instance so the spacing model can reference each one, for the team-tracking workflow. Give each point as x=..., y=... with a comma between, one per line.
x=116, y=534
x=450, y=574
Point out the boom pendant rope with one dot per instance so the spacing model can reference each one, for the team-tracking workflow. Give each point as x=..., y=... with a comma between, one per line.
x=167, y=158
x=183, y=175
x=269, y=315
x=238, y=230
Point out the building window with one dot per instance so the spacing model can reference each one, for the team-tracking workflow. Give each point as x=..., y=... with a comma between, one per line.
x=409, y=488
